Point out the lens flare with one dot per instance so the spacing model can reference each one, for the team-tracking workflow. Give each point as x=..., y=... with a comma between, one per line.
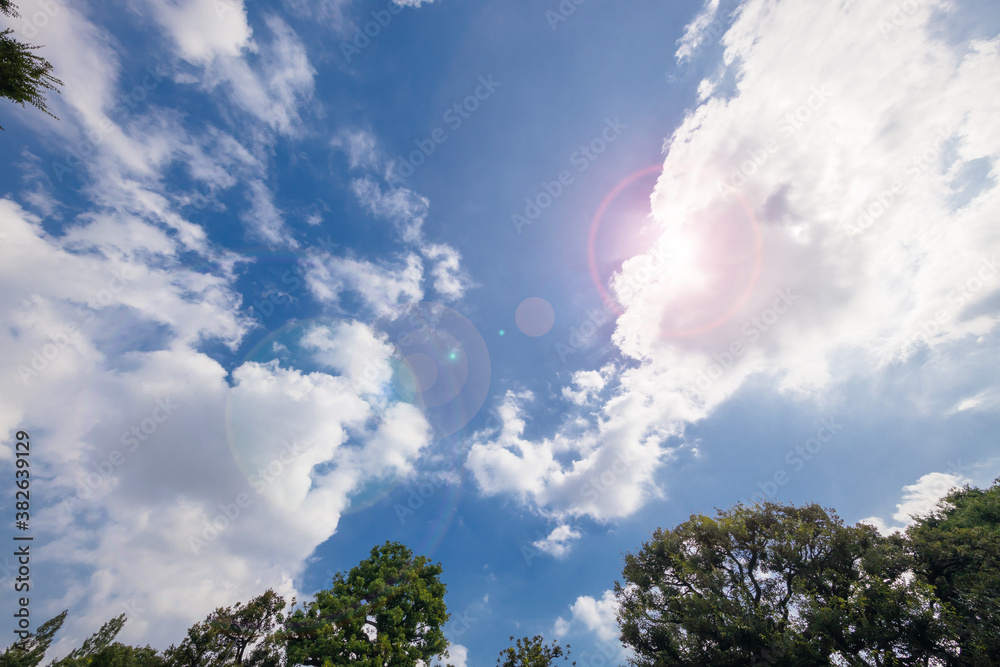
x=706, y=270
x=535, y=316
x=443, y=365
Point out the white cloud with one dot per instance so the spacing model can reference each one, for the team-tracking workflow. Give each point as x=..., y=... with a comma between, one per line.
x=193, y=305
x=605, y=473
x=397, y=442
x=694, y=32
x=330, y=13
x=81, y=53
x=216, y=159
x=361, y=148
x=831, y=138
x=405, y=208
x=286, y=75
x=216, y=37
x=559, y=542
x=764, y=264
x=597, y=616
x=151, y=440
x=919, y=499
x=458, y=655
x=334, y=13
x=352, y=350
x=166, y=479
x=123, y=141
x=407, y=211
x=588, y=384
x=987, y=399
x=383, y=287
x=450, y=280
x=204, y=31
x=264, y=220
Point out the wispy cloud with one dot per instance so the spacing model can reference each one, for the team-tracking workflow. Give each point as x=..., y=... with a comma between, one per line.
x=407, y=211
x=559, y=542
x=919, y=499
x=383, y=286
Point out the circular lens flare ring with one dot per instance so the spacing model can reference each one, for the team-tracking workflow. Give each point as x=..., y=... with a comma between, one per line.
x=535, y=316
x=611, y=303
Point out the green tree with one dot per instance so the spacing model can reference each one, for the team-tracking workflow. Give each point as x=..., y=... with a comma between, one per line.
x=957, y=548
x=116, y=654
x=772, y=584
x=24, y=76
x=387, y=611
x=237, y=635
x=31, y=650
x=532, y=652
x=93, y=644
x=100, y=650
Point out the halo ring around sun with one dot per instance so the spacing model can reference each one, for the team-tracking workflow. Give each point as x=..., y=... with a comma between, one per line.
x=611, y=303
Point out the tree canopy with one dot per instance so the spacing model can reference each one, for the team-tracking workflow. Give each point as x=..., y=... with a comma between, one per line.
x=764, y=584
x=957, y=549
x=31, y=651
x=532, y=652
x=98, y=650
x=773, y=584
x=24, y=75
x=237, y=635
x=387, y=611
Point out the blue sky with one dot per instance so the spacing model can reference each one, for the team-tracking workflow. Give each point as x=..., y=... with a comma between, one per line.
x=514, y=283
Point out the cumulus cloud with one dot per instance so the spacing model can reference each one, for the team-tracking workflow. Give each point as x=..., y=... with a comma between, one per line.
x=588, y=384
x=281, y=83
x=166, y=470
x=353, y=350
x=91, y=113
x=597, y=616
x=169, y=472
x=805, y=215
x=458, y=655
x=604, y=473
